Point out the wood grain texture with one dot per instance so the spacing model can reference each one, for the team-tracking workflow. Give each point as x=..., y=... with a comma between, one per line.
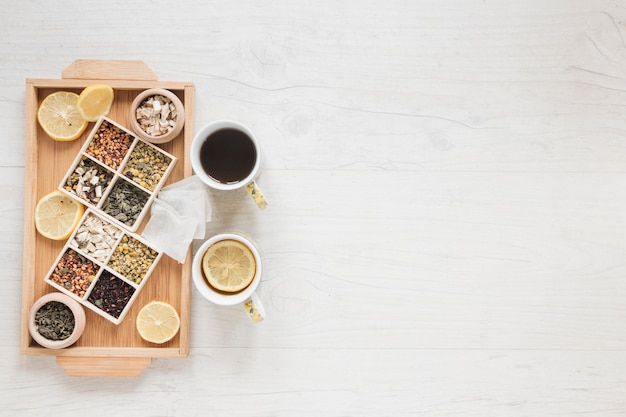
x=88, y=69
x=445, y=234
x=102, y=366
x=117, y=347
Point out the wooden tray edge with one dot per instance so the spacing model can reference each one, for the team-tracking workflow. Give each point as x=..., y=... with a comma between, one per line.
x=30, y=201
x=103, y=367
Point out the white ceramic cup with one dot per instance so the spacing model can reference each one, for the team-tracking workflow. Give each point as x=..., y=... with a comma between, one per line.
x=249, y=182
x=248, y=297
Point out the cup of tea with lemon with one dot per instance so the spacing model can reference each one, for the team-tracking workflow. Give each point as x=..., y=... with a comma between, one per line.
x=226, y=270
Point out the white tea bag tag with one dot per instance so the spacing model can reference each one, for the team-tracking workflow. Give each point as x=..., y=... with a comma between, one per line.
x=178, y=215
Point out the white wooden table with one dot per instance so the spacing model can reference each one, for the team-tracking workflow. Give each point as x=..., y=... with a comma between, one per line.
x=447, y=224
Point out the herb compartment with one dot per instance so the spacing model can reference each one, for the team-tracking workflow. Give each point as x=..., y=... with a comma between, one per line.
x=117, y=173
x=107, y=275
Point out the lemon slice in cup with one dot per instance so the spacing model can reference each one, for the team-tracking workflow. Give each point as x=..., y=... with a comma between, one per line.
x=95, y=101
x=229, y=266
x=58, y=116
x=158, y=322
x=57, y=215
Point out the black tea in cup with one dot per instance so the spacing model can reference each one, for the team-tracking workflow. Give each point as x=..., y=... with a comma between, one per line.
x=228, y=156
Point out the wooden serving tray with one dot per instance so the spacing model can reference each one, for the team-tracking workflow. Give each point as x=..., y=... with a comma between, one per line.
x=105, y=349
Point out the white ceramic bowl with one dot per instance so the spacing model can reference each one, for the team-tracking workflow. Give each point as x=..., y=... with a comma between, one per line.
x=180, y=116
x=79, y=320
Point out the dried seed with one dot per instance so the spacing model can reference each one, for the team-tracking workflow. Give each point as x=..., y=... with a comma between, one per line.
x=72, y=272
x=110, y=144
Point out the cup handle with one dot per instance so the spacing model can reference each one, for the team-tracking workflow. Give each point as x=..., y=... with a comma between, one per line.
x=254, y=308
x=256, y=194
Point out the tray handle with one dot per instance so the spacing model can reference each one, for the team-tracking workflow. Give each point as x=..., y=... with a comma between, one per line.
x=96, y=69
x=112, y=367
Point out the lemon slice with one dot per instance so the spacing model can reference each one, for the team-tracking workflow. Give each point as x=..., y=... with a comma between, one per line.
x=95, y=101
x=57, y=215
x=59, y=117
x=229, y=265
x=158, y=322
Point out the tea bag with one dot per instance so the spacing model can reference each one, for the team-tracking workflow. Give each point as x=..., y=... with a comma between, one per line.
x=189, y=197
x=178, y=215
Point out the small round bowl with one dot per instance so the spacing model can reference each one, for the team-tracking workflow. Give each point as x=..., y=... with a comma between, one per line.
x=79, y=320
x=180, y=116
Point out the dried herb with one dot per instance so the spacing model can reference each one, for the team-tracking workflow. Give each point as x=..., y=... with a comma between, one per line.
x=157, y=115
x=55, y=321
x=96, y=237
x=146, y=166
x=125, y=202
x=111, y=294
x=89, y=180
x=132, y=259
